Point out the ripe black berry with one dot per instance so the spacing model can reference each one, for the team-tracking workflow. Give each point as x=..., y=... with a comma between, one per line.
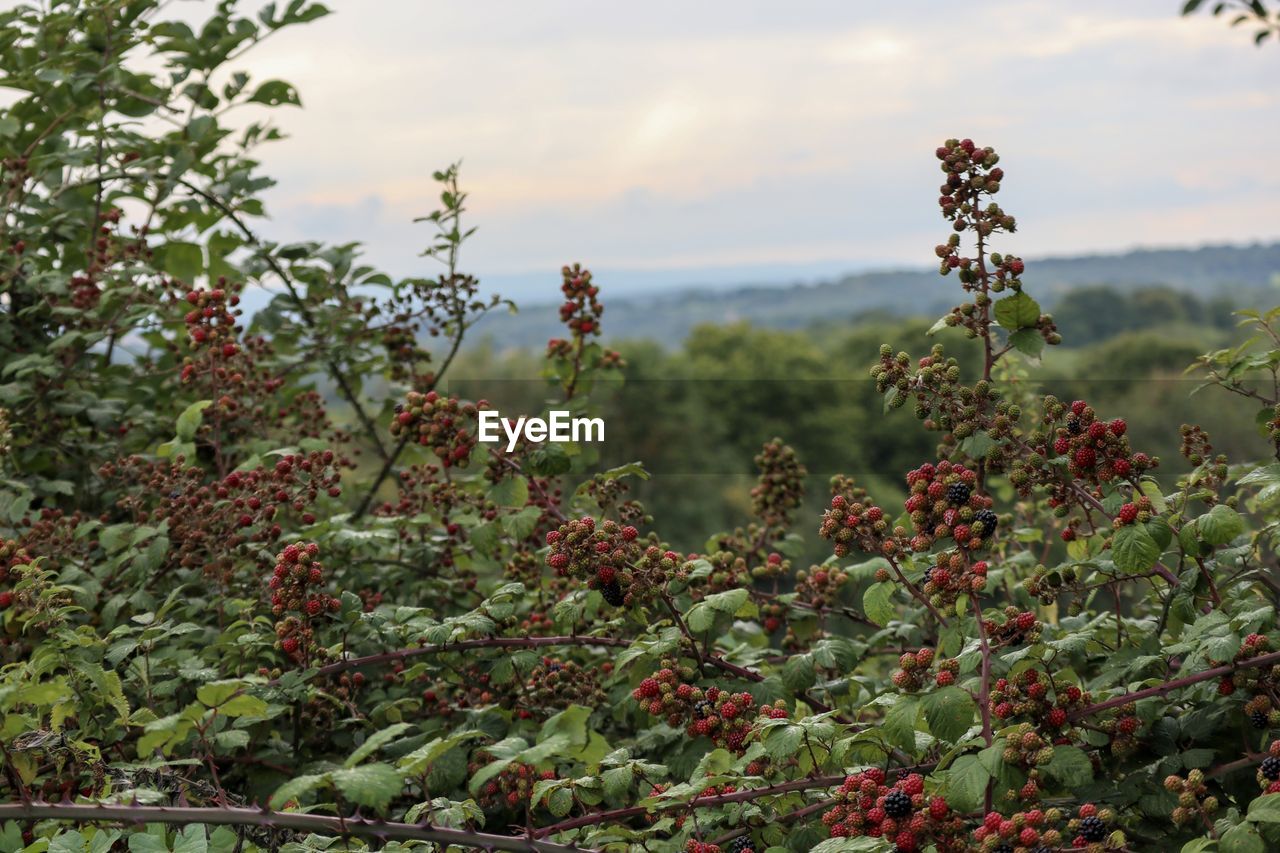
x=612, y=593
x=1092, y=829
x=958, y=493
x=1259, y=719
x=989, y=521
x=897, y=804
x=703, y=709
x=1002, y=848
x=742, y=844
x=1271, y=768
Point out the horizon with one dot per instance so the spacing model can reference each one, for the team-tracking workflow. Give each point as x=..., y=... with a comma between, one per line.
x=755, y=138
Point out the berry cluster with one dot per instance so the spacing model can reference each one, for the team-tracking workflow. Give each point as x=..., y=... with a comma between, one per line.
x=944, y=403
x=913, y=670
x=1134, y=512
x=902, y=813
x=953, y=574
x=581, y=310
x=211, y=321
x=1019, y=627
x=1094, y=450
x=609, y=557
x=1033, y=695
x=1261, y=712
x=296, y=596
x=1261, y=682
x=1043, y=831
x=510, y=789
x=945, y=505
x=209, y=523
x=441, y=423
x=1269, y=770
x=820, y=585
x=726, y=718
x=1209, y=470
x=852, y=521
x=774, y=567
x=556, y=684
x=12, y=555
x=1195, y=805
x=778, y=492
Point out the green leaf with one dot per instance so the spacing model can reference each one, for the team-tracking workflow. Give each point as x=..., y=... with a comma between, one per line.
x=1220, y=525
x=183, y=261
x=1265, y=809
x=900, y=722
x=560, y=802
x=295, y=788
x=877, y=603
x=376, y=741
x=273, y=93
x=949, y=712
x=1018, y=311
x=549, y=460
x=967, y=783
x=513, y=491
x=1070, y=766
x=1029, y=342
x=372, y=785
x=190, y=419
x=1133, y=549
x=798, y=673
x=1242, y=839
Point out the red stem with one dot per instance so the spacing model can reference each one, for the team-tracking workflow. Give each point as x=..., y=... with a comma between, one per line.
x=1177, y=683
x=322, y=824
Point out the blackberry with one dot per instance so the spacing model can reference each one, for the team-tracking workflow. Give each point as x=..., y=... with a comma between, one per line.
x=1074, y=426
x=612, y=592
x=897, y=804
x=958, y=493
x=1002, y=848
x=1092, y=829
x=742, y=844
x=989, y=521
x=703, y=709
x=1260, y=719
x=1271, y=768
x=928, y=574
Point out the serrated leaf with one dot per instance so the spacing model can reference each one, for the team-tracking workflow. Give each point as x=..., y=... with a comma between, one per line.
x=372, y=785
x=1133, y=549
x=967, y=783
x=1018, y=311
x=1070, y=766
x=1220, y=525
x=877, y=603
x=376, y=741
x=189, y=421
x=513, y=491
x=949, y=712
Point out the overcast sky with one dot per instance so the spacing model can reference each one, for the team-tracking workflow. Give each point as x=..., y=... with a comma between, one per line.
x=699, y=141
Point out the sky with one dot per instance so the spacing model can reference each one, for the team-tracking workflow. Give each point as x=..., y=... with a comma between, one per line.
x=666, y=144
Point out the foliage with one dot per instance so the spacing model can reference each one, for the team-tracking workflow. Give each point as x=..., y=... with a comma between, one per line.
x=238, y=616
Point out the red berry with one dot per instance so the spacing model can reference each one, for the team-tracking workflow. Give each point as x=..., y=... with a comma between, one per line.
x=1118, y=427
x=6, y=599
x=1128, y=513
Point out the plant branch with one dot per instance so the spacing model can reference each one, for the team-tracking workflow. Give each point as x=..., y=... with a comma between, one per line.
x=230, y=816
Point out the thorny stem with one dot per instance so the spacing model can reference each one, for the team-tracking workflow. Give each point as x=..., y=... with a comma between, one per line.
x=1176, y=684
x=233, y=816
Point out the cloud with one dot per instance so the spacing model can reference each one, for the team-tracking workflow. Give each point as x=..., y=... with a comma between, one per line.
x=751, y=132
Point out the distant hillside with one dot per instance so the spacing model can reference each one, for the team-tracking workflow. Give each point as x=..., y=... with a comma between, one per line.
x=1208, y=272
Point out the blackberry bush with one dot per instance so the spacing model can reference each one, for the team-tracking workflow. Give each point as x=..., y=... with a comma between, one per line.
x=263, y=588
